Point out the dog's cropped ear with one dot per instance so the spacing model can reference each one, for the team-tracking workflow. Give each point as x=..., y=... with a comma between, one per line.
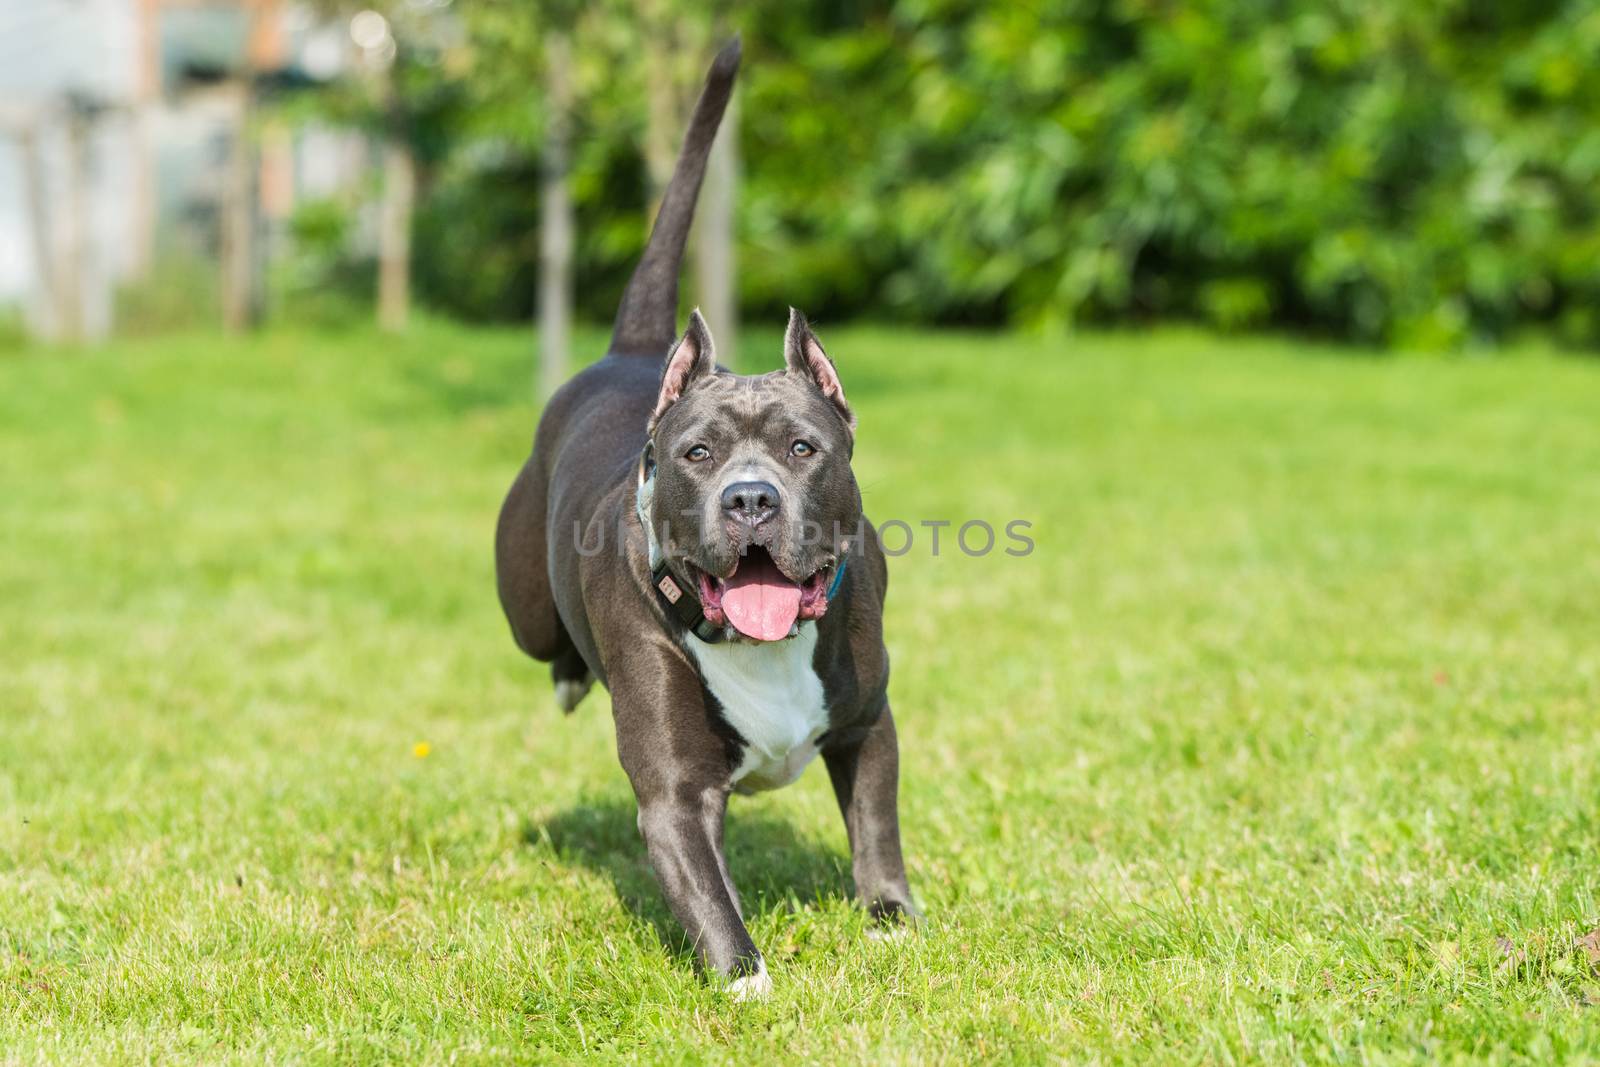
x=692, y=358
x=803, y=354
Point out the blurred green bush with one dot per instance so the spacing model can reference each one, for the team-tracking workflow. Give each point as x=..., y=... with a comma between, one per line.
x=1420, y=174
x=320, y=279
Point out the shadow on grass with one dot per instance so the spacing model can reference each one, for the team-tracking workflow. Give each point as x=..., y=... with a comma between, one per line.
x=774, y=868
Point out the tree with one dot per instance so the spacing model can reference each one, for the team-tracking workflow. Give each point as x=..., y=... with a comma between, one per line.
x=716, y=290
x=556, y=223
x=395, y=220
x=517, y=43
x=409, y=67
x=676, y=39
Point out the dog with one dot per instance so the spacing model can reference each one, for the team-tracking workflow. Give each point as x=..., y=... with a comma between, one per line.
x=694, y=541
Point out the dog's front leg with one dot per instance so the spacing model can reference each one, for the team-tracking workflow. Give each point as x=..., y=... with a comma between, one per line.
x=680, y=770
x=865, y=769
x=682, y=828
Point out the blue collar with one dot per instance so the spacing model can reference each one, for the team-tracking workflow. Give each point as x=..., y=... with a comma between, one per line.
x=838, y=578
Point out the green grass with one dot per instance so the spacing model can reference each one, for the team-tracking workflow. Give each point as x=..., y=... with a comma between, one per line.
x=1282, y=745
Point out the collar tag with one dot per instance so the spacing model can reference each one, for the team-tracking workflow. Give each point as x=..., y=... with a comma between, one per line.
x=684, y=606
x=678, y=600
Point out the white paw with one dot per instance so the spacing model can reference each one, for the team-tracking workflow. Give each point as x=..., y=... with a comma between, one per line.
x=570, y=691
x=751, y=986
x=897, y=932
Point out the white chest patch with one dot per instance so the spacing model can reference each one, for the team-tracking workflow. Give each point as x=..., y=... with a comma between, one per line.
x=771, y=694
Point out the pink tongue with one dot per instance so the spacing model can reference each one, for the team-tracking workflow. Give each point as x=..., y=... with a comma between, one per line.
x=760, y=601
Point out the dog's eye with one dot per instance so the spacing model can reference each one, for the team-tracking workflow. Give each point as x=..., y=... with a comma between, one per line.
x=697, y=454
x=802, y=449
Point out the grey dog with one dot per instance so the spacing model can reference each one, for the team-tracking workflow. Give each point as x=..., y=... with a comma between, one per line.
x=694, y=540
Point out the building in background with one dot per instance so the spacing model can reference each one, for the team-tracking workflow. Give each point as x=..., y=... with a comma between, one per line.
x=128, y=137
x=65, y=172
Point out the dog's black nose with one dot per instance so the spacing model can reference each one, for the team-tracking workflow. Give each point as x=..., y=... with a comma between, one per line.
x=751, y=502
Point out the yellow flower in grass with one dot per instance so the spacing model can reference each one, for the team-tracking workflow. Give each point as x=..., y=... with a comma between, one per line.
x=421, y=749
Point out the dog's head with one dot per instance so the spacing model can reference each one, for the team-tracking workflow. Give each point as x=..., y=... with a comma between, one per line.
x=754, y=498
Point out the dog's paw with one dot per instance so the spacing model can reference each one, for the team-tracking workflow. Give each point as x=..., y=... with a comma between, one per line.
x=571, y=691
x=892, y=920
x=751, y=986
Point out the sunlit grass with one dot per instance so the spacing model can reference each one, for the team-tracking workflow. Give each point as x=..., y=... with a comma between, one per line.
x=1282, y=744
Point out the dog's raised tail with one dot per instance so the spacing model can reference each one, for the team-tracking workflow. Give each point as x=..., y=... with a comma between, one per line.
x=647, y=317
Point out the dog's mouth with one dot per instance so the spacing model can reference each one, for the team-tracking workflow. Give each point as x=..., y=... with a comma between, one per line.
x=759, y=600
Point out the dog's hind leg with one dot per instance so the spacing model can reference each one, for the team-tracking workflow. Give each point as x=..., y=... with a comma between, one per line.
x=521, y=566
x=570, y=675
x=523, y=575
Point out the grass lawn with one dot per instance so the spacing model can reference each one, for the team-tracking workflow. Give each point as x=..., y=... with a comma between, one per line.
x=1284, y=743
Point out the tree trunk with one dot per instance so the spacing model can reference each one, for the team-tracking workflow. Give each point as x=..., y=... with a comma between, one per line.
x=243, y=278
x=146, y=100
x=394, y=235
x=48, y=304
x=662, y=90
x=72, y=281
x=556, y=222
x=715, y=278
x=241, y=293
